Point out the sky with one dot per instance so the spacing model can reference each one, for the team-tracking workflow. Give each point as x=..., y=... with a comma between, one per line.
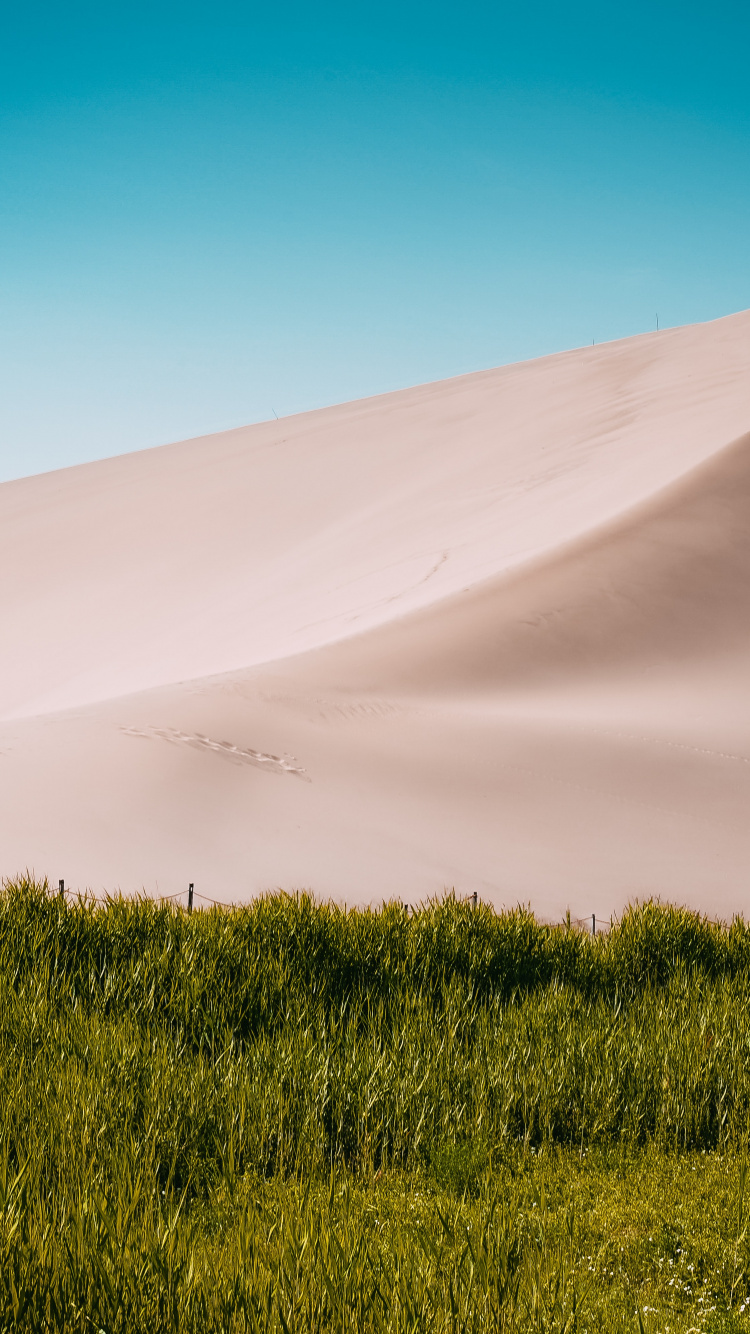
x=211, y=214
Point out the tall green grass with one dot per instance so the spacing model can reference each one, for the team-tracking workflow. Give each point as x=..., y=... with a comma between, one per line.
x=290, y=1116
x=238, y=969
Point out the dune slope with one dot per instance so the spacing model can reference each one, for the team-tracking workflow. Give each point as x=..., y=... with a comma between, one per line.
x=492, y=633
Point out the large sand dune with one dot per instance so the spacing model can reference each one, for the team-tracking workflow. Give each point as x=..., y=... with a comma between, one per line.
x=491, y=634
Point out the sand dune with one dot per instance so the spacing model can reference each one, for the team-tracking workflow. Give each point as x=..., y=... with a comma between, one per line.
x=647, y=597
x=498, y=625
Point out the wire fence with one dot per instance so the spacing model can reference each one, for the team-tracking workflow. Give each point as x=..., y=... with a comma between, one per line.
x=90, y=896
x=594, y=923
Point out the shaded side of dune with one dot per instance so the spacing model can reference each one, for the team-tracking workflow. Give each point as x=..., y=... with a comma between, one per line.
x=664, y=588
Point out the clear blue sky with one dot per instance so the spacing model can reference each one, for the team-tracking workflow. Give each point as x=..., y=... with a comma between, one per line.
x=211, y=212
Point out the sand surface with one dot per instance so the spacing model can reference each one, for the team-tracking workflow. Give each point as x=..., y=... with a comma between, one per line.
x=491, y=633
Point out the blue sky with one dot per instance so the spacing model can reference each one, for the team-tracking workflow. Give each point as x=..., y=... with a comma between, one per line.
x=213, y=212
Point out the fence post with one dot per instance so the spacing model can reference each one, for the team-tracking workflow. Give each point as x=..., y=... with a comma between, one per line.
x=190, y=897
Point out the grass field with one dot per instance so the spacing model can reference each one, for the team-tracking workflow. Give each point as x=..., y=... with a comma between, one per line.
x=290, y=1117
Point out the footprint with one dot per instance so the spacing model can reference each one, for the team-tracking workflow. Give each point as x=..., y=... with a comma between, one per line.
x=278, y=764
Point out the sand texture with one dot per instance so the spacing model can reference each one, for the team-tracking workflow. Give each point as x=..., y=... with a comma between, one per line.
x=491, y=633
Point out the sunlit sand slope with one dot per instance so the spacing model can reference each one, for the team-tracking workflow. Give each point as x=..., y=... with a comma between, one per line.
x=492, y=633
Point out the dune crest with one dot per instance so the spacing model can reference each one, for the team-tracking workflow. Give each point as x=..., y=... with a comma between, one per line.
x=502, y=622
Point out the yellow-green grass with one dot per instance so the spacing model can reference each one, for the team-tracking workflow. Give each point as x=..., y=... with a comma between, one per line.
x=291, y=1117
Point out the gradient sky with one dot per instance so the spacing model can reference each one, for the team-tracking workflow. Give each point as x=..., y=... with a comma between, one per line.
x=210, y=213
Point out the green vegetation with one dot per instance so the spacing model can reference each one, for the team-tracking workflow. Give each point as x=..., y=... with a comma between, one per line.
x=290, y=1117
